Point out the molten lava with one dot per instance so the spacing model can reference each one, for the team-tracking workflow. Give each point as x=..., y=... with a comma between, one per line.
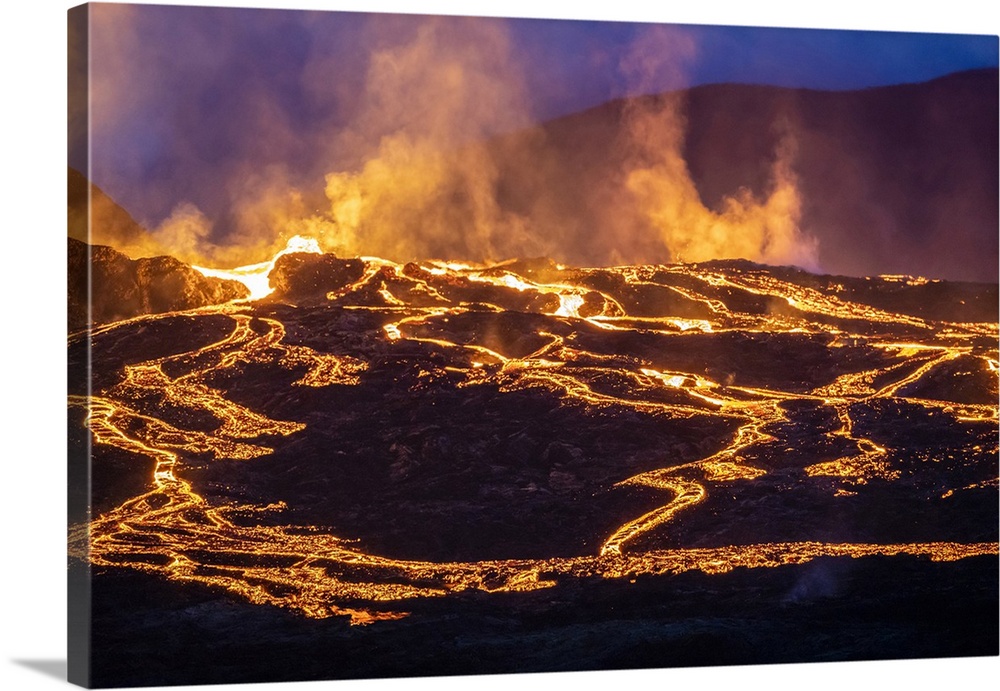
x=255, y=276
x=751, y=382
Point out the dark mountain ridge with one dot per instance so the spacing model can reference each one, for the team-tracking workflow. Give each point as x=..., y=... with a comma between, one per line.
x=104, y=221
x=895, y=179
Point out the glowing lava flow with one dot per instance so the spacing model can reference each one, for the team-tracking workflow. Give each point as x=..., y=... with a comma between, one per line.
x=157, y=409
x=255, y=276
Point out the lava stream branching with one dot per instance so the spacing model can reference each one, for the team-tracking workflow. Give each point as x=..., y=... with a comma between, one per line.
x=176, y=411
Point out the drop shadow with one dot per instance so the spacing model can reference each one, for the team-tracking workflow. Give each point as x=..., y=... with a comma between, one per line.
x=50, y=668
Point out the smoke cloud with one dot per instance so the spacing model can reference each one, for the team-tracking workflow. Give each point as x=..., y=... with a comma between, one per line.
x=422, y=147
x=658, y=183
x=224, y=132
x=427, y=186
x=430, y=187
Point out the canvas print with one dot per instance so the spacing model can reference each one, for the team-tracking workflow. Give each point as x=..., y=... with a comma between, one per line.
x=407, y=345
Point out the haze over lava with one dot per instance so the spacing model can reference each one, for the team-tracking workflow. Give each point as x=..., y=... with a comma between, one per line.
x=430, y=148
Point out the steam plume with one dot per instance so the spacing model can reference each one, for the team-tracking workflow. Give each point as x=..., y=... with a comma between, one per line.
x=407, y=165
x=428, y=186
x=659, y=184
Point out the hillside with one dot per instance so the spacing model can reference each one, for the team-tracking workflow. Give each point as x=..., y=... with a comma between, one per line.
x=892, y=180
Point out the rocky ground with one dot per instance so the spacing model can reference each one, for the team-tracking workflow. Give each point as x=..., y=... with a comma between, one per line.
x=527, y=412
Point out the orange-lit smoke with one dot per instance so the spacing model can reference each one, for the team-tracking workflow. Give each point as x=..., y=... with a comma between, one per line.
x=427, y=186
x=419, y=172
x=266, y=204
x=657, y=180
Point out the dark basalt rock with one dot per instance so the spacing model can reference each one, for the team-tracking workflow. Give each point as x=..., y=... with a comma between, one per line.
x=302, y=277
x=121, y=288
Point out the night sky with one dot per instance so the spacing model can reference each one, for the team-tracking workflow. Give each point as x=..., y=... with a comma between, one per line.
x=195, y=110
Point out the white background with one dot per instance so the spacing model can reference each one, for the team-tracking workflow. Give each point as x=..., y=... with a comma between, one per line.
x=32, y=332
